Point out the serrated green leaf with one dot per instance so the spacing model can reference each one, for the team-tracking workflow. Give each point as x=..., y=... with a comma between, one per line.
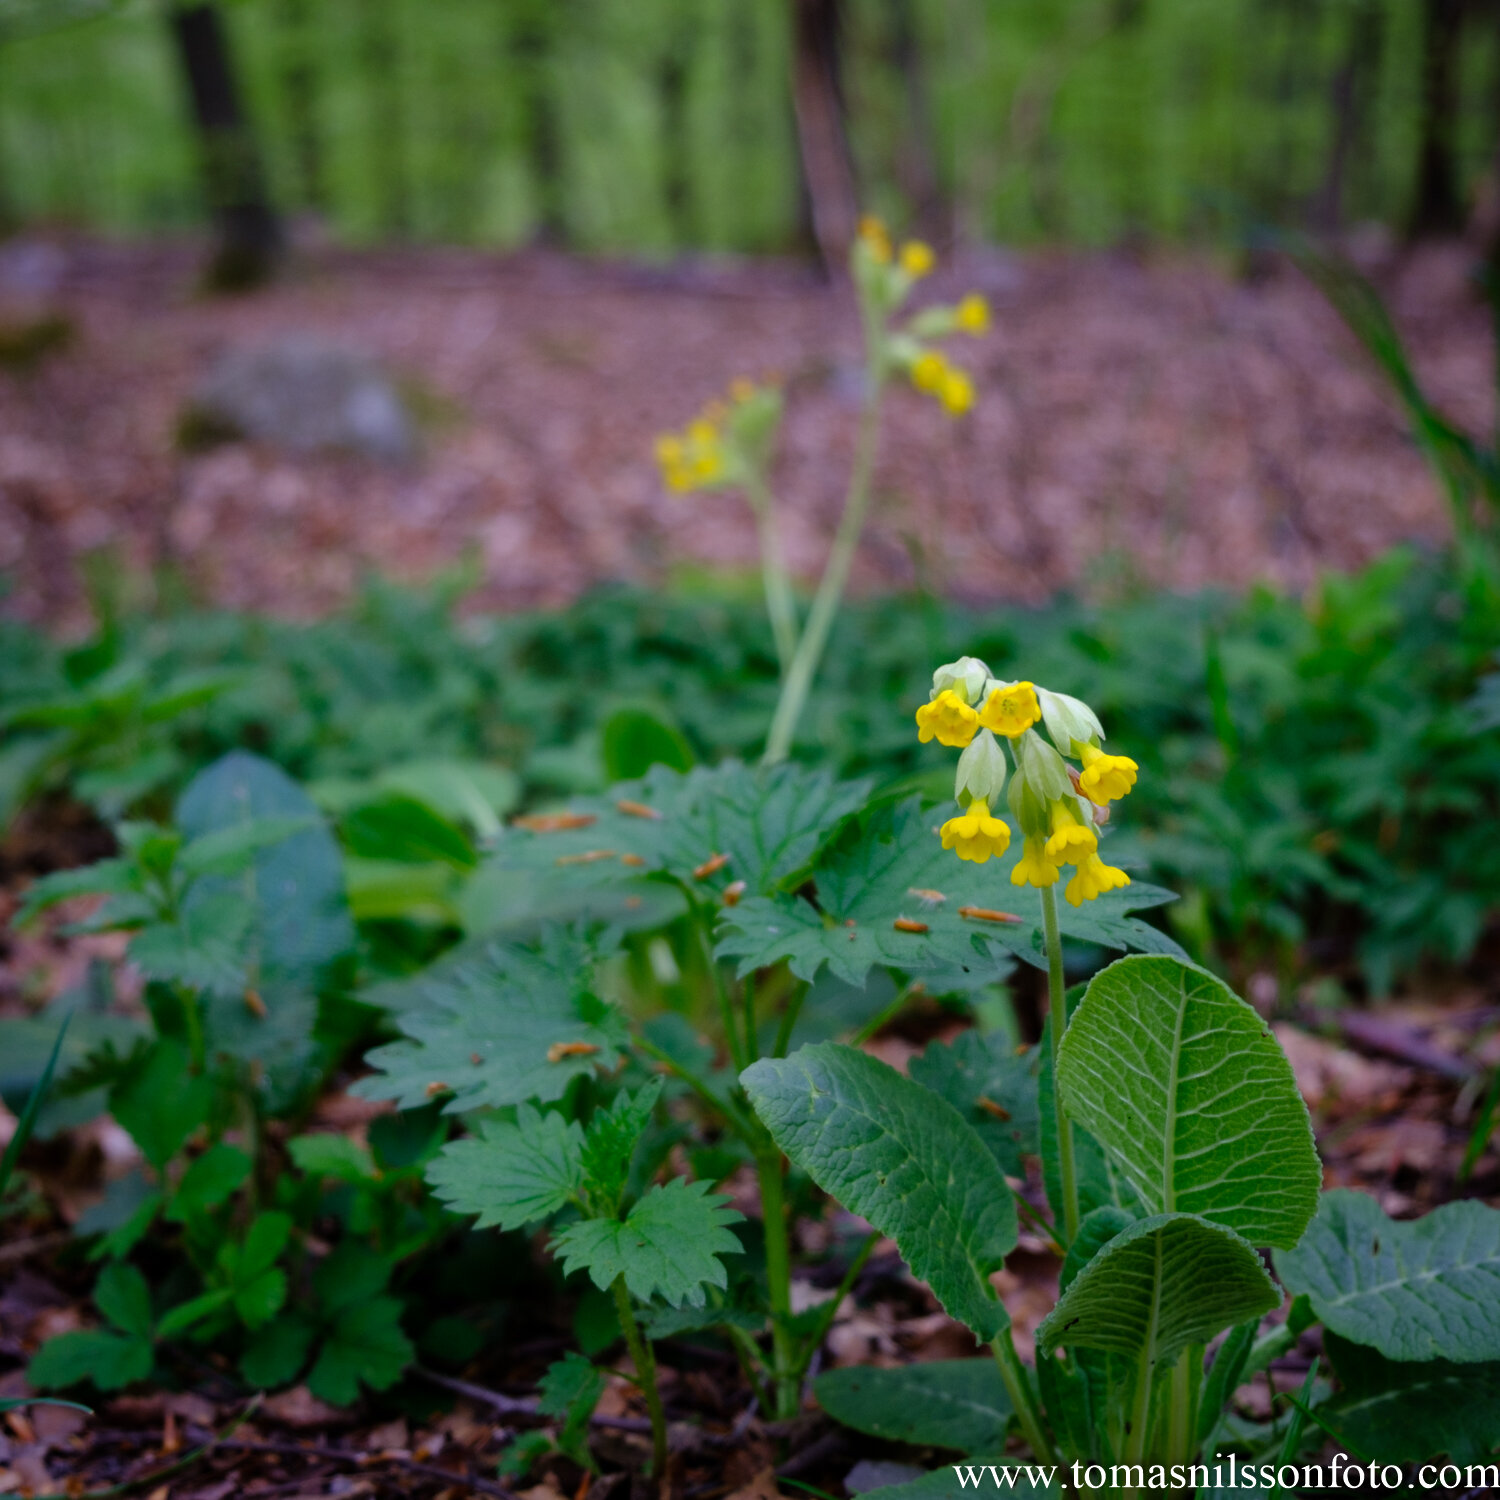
x=122, y=1295
x=992, y=1087
x=232, y=850
x=353, y=1273
x=185, y=1314
x=210, y=1179
x=160, y=1103
x=611, y=1138
x=570, y=1390
x=328, y=1154
x=100, y=1356
x=897, y=869
x=259, y=1250
x=511, y=1175
x=1190, y=1094
x=1398, y=1412
x=669, y=1245
x=206, y=948
x=275, y=1354
x=1162, y=1284
x=901, y=1157
x=495, y=1027
x=261, y=1298
x=365, y=1345
x=107, y=877
x=769, y=821
x=1418, y=1290
x=945, y=1403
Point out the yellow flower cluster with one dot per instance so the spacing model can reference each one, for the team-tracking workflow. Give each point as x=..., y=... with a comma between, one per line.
x=724, y=442
x=693, y=459
x=1057, y=805
x=931, y=372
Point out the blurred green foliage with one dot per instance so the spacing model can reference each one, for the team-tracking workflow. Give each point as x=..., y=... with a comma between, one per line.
x=1317, y=775
x=648, y=125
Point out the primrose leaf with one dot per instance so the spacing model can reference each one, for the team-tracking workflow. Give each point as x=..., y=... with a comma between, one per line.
x=493, y=1027
x=1398, y=1412
x=1190, y=1094
x=101, y=1356
x=610, y=1140
x=902, y=1157
x=897, y=870
x=992, y=1087
x=511, y=1175
x=208, y=1181
x=1419, y=1290
x=945, y=1484
x=947, y=1403
x=770, y=822
x=668, y=1246
x=365, y=1345
x=1158, y=1286
x=570, y=1390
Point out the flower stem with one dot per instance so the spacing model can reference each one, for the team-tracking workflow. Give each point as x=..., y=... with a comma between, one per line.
x=1018, y=1388
x=785, y=1380
x=798, y=681
x=645, y=1375
x=1057, y=1021
x=779, y=604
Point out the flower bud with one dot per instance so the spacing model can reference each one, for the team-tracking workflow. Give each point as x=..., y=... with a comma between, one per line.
x=981, y=770
x=1042, y=767
x=1068, y=719
x=966, y=677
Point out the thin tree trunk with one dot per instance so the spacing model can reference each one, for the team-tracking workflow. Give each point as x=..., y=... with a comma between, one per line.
x=1438, y=206
x=827, y=164
x=300, y=89
x=1351, y=92
x=918, y=164
x=387, y=117
x=248, y=232
x=532, y=28
x=671, y=84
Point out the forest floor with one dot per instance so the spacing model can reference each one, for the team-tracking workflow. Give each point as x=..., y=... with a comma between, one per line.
x=1141, y=422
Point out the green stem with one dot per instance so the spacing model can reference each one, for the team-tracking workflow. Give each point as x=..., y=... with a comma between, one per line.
x=830, y=1308
x=788, y=1020
x=645, y=1376
x=1140, y=1416
x=1182, y=1422
x=752, y=1042
x=721, y=990
x=799, y=677
x=779, y=603
x=1022, y=1398
x=733, y=1118
x=1057, y=1021
x=788, y=1388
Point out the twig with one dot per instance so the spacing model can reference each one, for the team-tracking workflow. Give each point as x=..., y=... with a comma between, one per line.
x=362, y=1460
x=521, y=1406
x=1404, y=1044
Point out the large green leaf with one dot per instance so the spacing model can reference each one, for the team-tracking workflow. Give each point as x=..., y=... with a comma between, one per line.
x=901, y=1157
x=1030, y=1482
x=1403, y=1412
x=669, y=1245
x=896, y=870
x=1186, y=1088
x=1162, y=1284
x=496, y=1025
x=992, y=1087
x=769, y=823
x=511, y=1175
x=1419, y=1290
x=947, y=1403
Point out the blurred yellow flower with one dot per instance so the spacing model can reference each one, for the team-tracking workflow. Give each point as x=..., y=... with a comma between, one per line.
x=928, y=371
x=976, y=835
x=948, y=719
x=917, y=259
x=874, y=234
x=956, y=392
x=972, y=315
x=1012, y=710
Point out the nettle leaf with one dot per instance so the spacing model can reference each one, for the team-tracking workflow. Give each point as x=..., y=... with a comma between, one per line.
x=1157, y=1287
x=495, y=1026
x=105, y=877
x=206, y=948
x=668, y=1245
x=901, y=1157
x=1187, y=1090
x=611, y=1138
x=896, y=869
x=1403, y=1412
x=992, y=1087
x=945, y=1403
x=768, y=821
x=1420, y=1290
x=512, y=1175
x=570, y=1390
x=328, y=1154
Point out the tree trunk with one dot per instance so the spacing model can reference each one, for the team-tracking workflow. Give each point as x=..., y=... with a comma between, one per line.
x=1438, y=206
x=248, y=233
x=917, y=164
x=531, y=28
x=299, y=91
x=387, y=118
x=1352, y=86
x=827, y=166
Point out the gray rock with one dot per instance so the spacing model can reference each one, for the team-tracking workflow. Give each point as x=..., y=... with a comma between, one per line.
x=303, y=395
x=874, y=1474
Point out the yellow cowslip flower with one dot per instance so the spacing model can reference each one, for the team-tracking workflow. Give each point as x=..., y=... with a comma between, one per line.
x=1012, y=710
x=1033, y=867
x=874, y=234
x=972, y=315
x=1105, y=778
x=917, y=259
x=948, y=719
x=928, y=371
x=1071, y=841
x=956, y=392
x=1094, y=877
x=976, y=835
